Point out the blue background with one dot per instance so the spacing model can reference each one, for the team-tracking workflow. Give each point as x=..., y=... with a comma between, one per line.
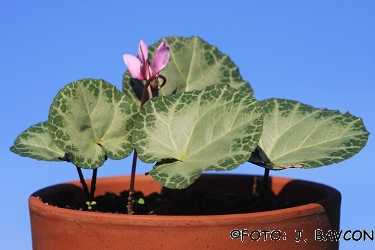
x=318, y=52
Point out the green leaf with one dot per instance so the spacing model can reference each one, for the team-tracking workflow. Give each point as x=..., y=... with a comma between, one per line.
x=36, y=143
x=194, y=64
x=91, y=120
x=90, y=204
x=141, y=201
x=216, y=128
x=298, y=135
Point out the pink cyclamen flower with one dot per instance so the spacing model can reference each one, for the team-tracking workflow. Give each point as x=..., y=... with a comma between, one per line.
x=141, y=68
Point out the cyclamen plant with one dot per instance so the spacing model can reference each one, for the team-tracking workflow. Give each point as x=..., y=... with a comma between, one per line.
x=199, y=115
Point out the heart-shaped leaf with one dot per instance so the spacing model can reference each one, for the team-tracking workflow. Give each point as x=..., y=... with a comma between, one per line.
x=194, y=64
x=298, y=135
x=91, y=120
x=216, y=128
x=36, y=143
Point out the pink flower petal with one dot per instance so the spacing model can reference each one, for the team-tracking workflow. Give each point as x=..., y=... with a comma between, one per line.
x=143, y=52
x=161, y=57
x=134, y=65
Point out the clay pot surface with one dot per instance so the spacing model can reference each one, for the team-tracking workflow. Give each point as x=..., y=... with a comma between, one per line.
x=58, y=228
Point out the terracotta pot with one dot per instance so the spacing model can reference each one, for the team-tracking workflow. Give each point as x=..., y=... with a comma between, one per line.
x=57, y=228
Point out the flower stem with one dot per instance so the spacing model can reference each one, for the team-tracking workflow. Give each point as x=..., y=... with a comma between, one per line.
x=134, y=164
x=132, y=179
